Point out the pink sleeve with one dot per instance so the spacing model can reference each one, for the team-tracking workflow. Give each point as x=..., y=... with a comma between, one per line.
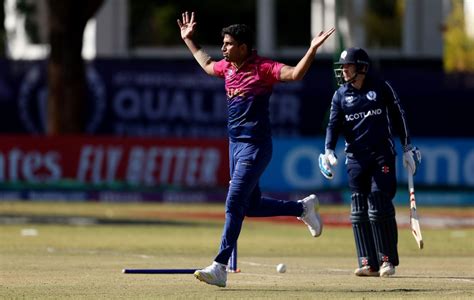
x=270, y=70
x=219, y=67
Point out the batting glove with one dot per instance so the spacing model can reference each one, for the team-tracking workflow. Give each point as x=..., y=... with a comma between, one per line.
x=411, y=158
x=326, y=161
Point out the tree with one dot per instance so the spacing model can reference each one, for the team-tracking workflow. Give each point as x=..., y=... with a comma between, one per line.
x=66, y=72
x=458, y=46
x=383, y=23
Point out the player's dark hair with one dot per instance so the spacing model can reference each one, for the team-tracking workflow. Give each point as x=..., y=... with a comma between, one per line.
x=242, y=33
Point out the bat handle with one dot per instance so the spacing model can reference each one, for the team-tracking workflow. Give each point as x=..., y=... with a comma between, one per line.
x=410, y=180
x=411, y=189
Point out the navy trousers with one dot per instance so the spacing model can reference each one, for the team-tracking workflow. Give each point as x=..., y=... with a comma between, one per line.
x=248, y=161
x=373, y=172
x=372, y=180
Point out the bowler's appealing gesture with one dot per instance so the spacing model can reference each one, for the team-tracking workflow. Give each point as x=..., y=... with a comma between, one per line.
x=249, y=80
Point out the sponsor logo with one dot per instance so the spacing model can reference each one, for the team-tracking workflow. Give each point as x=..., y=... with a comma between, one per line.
x=149, y=166
x=363, y=115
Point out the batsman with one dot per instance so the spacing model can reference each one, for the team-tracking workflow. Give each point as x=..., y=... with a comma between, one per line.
x=366, y=110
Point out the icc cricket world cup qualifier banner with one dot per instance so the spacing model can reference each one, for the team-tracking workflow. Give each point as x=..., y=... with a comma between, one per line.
x=175, y=99
x=150, y=98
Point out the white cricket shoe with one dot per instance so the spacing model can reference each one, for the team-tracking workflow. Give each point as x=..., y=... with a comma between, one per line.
x=387, y=269
x=214, y=274
x=366, y=271
x=311, y=215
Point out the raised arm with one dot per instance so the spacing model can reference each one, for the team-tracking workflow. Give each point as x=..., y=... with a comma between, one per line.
x=187, y=25
x=289, y=73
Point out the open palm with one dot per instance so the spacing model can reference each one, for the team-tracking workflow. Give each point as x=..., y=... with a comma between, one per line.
x=319, y=40
x=187, y=25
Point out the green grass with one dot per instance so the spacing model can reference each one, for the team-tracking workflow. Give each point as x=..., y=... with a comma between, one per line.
x=85, y=262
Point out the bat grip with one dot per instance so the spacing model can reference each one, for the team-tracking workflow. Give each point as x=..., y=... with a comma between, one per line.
x=410, y=181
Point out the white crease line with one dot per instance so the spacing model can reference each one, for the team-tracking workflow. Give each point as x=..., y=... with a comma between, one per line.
x=144, y=256
x=462, y=279
x=262, y=275
x=256, y=264
x=339, y=270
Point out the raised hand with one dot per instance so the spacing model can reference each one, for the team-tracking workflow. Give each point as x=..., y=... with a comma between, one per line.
x=322, y=36
x=187, y=25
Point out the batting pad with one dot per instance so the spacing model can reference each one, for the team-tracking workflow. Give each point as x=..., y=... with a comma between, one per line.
x=384, y=227
x=363, y=237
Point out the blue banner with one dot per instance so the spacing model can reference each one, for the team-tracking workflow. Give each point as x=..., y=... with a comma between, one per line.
x=445, y=163
x=153, y=98
x=175, y=98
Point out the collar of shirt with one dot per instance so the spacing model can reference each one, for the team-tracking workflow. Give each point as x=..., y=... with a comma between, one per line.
x=249, y=59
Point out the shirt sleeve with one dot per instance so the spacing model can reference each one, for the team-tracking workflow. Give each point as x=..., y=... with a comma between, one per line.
x=270, y=71
x=336, y=119
x=220, y=67
x=397, y=115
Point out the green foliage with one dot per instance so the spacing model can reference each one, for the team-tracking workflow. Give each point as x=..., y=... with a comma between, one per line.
x=458, y=47
x=153, y=22
x=383, y=23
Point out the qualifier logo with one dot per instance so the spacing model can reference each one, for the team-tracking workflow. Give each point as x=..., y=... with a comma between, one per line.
x=33, y=99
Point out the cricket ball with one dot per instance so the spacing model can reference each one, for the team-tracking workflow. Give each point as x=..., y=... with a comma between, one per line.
x=281, y=268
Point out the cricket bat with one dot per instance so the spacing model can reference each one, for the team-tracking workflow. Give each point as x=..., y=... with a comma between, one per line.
x=414, y=221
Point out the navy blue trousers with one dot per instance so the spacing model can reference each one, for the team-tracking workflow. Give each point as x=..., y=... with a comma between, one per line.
x=372, y=180
x=373, y=172
x=248, y=161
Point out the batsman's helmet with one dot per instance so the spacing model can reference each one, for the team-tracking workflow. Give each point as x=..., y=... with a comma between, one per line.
x=356, y=56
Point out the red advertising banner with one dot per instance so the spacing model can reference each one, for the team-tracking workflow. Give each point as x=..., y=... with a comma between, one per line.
x=107, y=160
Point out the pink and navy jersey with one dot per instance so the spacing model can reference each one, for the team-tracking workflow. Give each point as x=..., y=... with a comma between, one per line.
x=248, y=94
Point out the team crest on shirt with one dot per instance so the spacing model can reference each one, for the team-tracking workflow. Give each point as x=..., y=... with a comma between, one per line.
x=371, y=95
x=230, y=72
